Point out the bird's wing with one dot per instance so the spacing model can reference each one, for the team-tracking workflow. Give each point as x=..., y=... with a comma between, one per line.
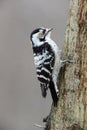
x=44, y=66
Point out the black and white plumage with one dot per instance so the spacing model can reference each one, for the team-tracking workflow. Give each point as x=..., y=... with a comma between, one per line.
x=47, y=61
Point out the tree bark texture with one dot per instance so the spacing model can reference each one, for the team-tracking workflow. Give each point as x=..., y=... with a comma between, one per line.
x=71, y=112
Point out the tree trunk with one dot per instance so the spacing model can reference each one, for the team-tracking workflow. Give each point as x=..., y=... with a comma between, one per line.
x=71, y=112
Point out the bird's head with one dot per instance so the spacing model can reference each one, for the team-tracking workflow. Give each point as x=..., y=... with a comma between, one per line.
x=40, y=34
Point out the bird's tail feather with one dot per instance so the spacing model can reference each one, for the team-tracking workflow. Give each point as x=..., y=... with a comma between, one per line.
x=53, y=93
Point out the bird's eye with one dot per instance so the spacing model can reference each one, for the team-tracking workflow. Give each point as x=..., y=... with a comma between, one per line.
x=44, y=31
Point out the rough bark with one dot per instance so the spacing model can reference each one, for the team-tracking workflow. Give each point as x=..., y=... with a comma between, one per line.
x=71, y=112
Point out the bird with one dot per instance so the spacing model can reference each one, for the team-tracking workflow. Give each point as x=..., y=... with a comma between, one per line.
x=47, y=59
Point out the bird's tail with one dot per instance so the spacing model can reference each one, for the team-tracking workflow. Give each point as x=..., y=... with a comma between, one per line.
x=53, y=93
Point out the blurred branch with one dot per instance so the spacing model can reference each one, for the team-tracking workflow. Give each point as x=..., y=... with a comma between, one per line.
x=40, y=126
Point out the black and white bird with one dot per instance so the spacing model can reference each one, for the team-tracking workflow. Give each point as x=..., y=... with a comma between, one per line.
x=47, y=61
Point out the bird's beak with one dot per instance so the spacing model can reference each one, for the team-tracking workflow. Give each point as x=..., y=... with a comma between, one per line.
x=48, y=31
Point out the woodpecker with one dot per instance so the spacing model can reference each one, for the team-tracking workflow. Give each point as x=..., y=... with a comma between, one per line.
x=47, y=61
